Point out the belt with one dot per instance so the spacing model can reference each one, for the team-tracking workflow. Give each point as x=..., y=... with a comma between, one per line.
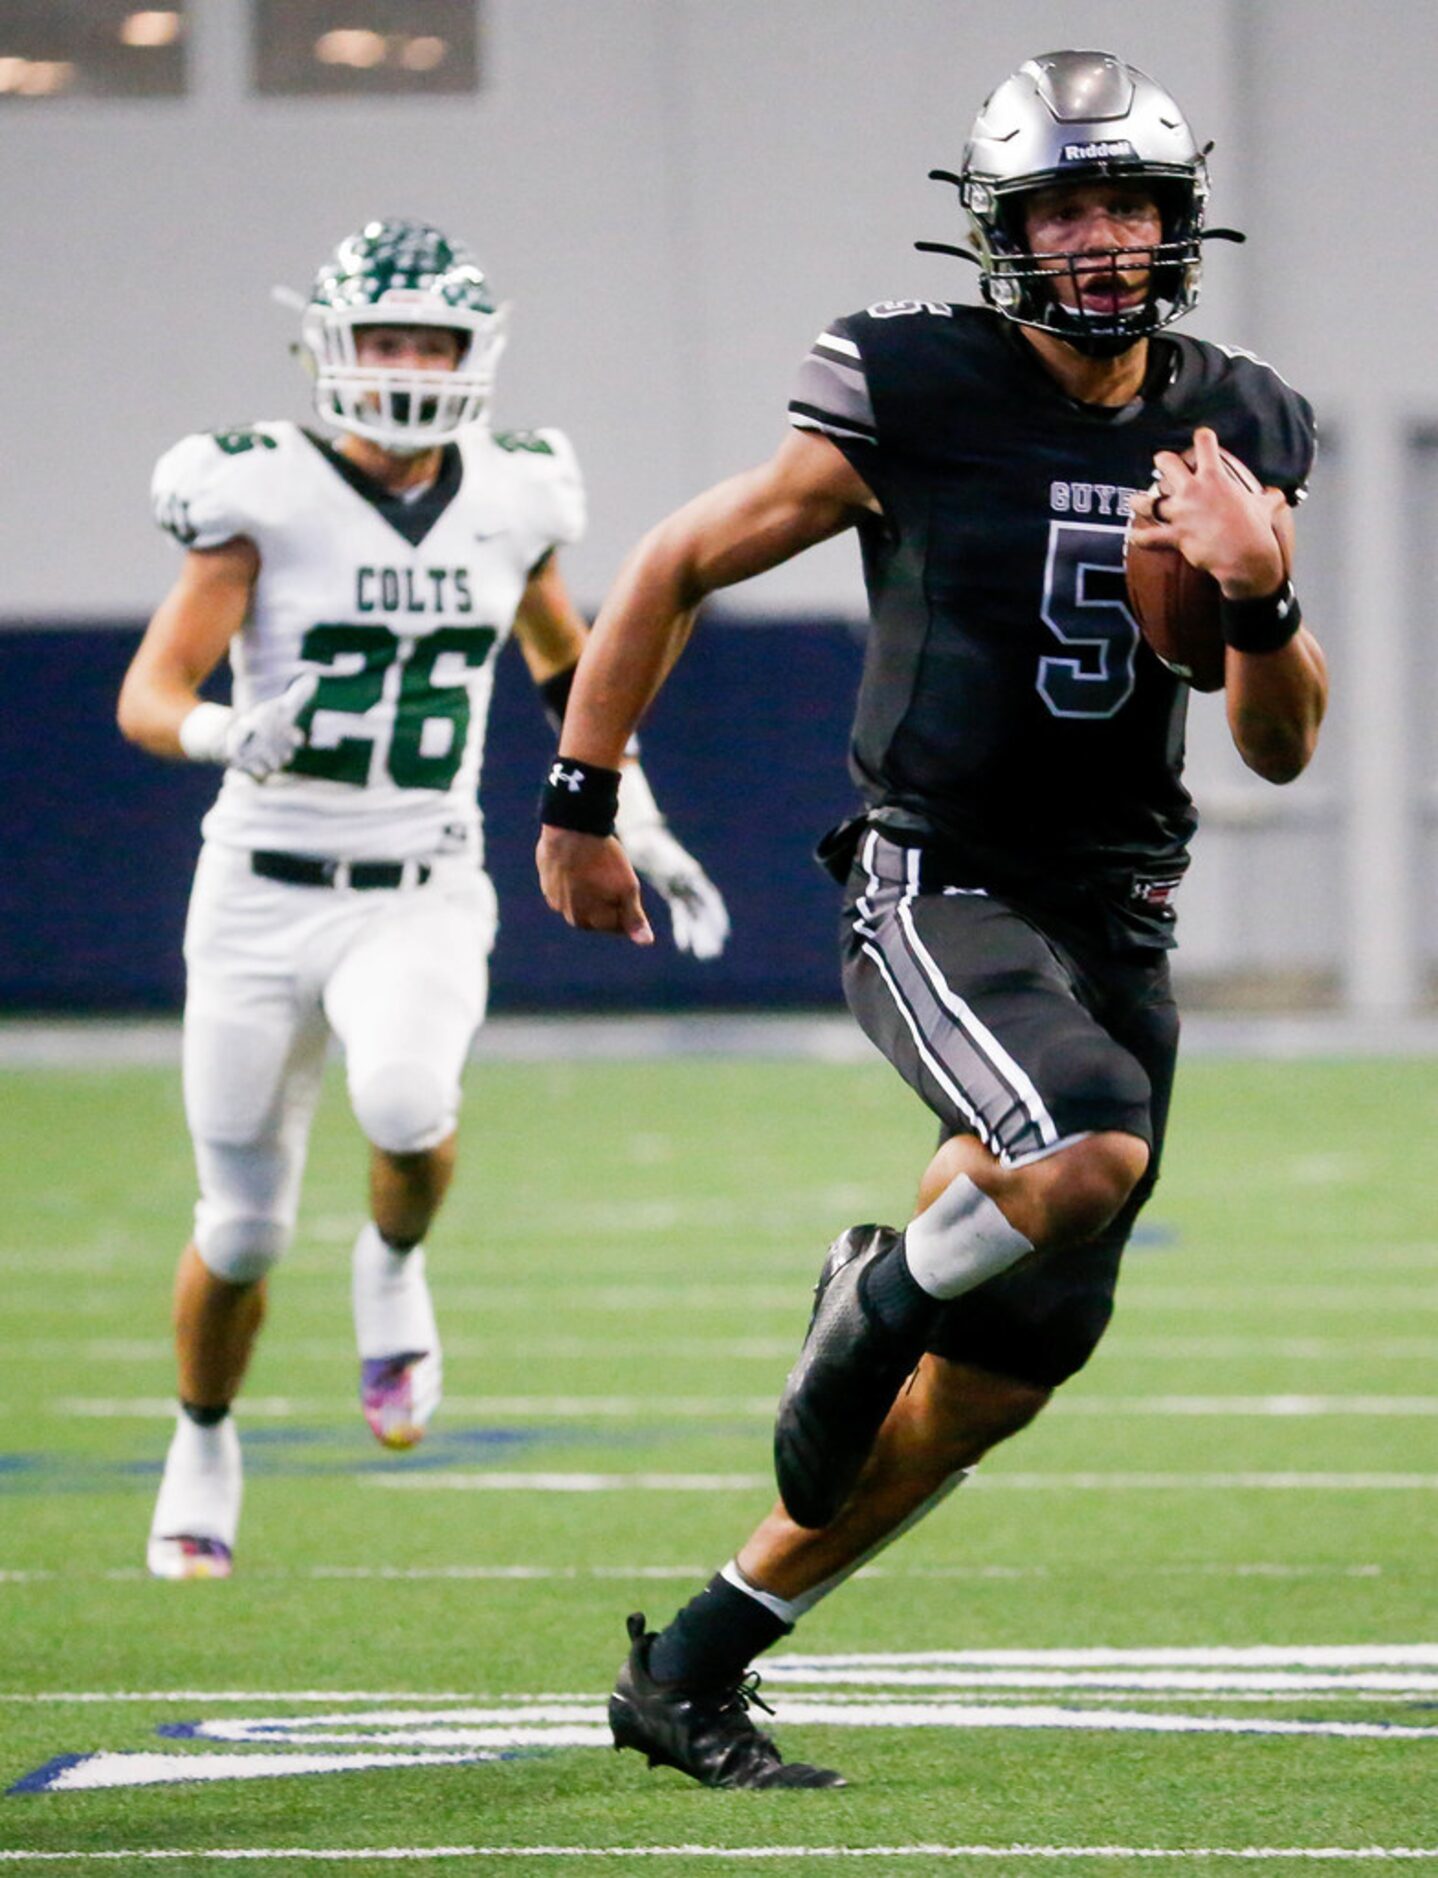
x=313, y=870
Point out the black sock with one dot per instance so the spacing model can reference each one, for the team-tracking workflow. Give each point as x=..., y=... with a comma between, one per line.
x=711, y=1642
x=894, y=1298
x=205, y=1417
x=397, y=1246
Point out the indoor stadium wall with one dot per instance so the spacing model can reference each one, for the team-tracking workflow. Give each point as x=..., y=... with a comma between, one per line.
x=92, y=896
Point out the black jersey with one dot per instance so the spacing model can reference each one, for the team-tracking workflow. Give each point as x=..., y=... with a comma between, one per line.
x=1009, y=710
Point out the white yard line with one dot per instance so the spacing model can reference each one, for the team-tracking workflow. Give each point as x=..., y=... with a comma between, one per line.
x=1328, y=1656
x=406, y=1574
x=1360, y=1660
x=1222, y=1483
x=500, y=1574
x=727, y=1408
x=465, y=1482
x=93, y=1697
x=525, y=1726
x=755, y=1289
x=99, y=1043
x=381, y=1855
x=1350, y=1300
x=537, y=1407
x=546, y=1349
x=1250, y=1406
x=1316, y=1349
x=451, y=1482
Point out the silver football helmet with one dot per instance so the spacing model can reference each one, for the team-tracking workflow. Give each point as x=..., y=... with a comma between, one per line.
x=399, y=273
x=1082, y=117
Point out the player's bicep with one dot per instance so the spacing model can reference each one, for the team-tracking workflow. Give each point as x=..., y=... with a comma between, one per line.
x=201, y=613
x=807, y=492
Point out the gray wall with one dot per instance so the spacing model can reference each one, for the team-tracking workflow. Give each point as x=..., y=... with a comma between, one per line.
x=676, y=194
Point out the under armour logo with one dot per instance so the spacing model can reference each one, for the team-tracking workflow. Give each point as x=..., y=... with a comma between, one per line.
x=570, y=779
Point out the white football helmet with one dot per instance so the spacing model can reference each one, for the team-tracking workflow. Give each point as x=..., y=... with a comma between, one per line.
x=398, y=273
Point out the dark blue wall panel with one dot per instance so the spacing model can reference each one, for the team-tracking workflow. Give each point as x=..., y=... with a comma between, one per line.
x=746, y=753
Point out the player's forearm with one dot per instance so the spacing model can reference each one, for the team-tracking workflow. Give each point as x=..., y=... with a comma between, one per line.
x=183, y=644
x=152, y=707
x=1276, y=702
x=641, y=630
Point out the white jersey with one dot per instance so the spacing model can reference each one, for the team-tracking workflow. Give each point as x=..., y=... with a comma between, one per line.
x=399, y=606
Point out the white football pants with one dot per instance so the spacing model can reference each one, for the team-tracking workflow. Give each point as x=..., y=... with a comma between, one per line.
x=399, y=975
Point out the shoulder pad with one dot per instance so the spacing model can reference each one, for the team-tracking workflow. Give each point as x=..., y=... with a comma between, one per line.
x=546, y=469
x=1275, y=422
x=831, y=391
x=200, y=491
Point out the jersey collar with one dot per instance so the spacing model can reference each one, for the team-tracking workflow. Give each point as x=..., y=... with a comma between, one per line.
x=413, y=519
x=1165, y=362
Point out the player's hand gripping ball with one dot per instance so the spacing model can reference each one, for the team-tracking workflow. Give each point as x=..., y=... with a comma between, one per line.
x=1175, y=603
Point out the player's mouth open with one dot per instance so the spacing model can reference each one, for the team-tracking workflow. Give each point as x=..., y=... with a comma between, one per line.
x=1109, y=293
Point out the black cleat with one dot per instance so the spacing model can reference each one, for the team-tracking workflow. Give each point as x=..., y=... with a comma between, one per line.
x=706, y=1734
x=843, y=1385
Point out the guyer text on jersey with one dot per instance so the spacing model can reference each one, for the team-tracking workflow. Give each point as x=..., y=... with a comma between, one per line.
x=1103, y=499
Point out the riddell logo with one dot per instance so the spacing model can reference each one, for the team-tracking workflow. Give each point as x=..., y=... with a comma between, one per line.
x=1094, y=152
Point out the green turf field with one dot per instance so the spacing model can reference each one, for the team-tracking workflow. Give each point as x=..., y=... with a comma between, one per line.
x=1234, y=1511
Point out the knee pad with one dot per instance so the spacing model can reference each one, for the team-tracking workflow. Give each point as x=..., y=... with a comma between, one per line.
x=1039, y=1323
x=404, y=1108
x=236, y=1247
x=248, y=1199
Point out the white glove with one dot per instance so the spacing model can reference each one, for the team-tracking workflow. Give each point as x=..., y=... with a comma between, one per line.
x=258, y=741
x=696, y=907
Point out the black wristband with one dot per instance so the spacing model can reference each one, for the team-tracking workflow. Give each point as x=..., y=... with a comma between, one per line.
x=581, y=796
x=1264, y=625
x=554, y=694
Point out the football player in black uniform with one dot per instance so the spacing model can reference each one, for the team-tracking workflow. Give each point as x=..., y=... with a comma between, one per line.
x=1019, y=750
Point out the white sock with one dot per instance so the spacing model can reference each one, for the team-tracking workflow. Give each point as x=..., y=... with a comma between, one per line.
x=202, y=1487
x=392, y=1309
x=961, y=1240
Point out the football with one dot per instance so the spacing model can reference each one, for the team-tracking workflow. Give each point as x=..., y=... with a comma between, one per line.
x=1176, y=604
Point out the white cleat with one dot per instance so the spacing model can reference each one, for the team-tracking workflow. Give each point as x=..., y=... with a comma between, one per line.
x=184, y=1557
x=401, y=1373
x=399, y=1394
x=192, y=1534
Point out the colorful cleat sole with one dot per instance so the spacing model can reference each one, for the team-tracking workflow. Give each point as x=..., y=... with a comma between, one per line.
x=398, y=1395
x=181, y=1555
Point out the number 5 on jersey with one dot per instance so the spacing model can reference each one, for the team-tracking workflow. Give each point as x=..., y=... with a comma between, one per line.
x=1085, y=607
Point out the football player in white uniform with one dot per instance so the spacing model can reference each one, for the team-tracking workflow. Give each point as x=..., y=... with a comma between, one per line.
x=362, y=588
